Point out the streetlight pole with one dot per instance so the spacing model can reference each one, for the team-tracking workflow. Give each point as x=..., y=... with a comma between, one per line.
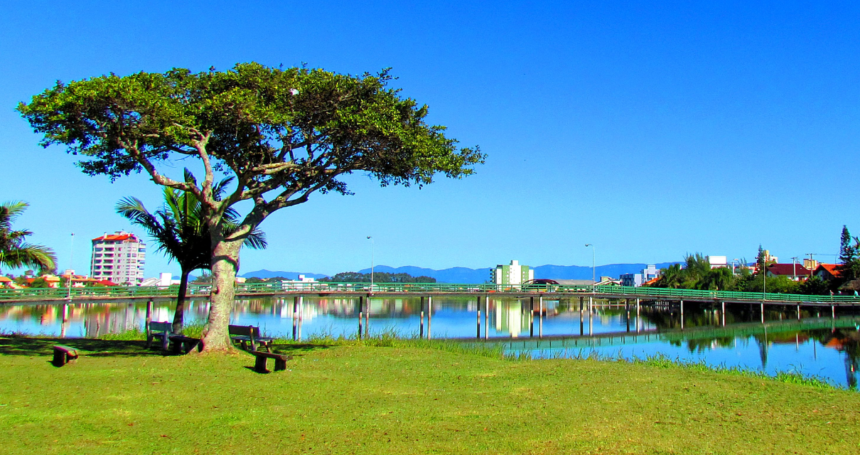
x=371, y=263
x=71, y=266
x=794, y=267
x=593, y=276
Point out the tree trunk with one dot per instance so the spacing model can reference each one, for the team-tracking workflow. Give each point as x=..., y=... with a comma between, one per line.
x=225, y=265
x=180, y=302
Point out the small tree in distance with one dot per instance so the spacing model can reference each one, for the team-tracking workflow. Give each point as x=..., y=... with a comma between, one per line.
x=283, y=135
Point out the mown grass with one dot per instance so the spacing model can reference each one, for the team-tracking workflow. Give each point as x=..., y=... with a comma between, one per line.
x=387, y=395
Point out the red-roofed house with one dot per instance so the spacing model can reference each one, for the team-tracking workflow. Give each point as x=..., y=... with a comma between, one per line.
x=827, y=272
x=794, y=271
x=118, y=257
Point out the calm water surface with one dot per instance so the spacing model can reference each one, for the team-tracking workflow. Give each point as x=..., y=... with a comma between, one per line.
x=816, y=346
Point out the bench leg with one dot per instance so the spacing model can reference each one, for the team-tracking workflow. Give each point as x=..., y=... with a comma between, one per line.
x=260, y=365
x=280, y=364
x=59, y=358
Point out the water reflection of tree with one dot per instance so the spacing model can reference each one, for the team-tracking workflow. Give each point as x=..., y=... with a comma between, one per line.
x=847, y=342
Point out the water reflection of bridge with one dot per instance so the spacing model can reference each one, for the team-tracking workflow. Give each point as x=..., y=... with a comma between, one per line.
x=563, y=342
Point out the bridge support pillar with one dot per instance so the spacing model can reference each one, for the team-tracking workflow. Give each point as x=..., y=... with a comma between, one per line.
x=833, y=311
x=762, y=312
x=638, y=319
x=682, y=315
x=540, y=317
x=531, y=317
x=798, y=311
x=421, y=327
x=301, y=315
x=627, y=312
x=429, y=315
x=581, y=300
x=486, y=317
x=296, y=317
x=479, y=318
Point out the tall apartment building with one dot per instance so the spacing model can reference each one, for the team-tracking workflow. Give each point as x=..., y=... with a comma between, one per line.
x=511, y=274
x=118, y=257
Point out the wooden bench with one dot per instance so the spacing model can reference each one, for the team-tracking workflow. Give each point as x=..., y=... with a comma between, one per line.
x=262, y=357
x=249, y=334
x=66, y=354
x=164, y=331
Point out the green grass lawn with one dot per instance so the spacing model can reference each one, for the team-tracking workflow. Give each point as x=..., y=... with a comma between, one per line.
x=352, y=398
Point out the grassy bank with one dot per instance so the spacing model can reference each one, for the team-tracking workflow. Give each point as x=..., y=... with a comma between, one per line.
x=401, y=397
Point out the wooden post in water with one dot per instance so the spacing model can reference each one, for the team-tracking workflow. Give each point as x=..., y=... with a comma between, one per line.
x=295, y=317
x=682, y=315
x=421, y=327
x=429, y=315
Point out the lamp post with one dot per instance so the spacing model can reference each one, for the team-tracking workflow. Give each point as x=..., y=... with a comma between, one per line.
x=371, y=263
x=593, y=276
x=71, y=266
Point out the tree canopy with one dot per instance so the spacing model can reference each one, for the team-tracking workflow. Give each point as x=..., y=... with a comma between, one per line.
x=15, y=251
x=283, y=134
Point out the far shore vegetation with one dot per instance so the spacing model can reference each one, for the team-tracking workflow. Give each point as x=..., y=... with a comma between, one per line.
x=696, y=273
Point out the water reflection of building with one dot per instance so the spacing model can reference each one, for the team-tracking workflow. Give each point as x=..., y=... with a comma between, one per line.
x=510, y=317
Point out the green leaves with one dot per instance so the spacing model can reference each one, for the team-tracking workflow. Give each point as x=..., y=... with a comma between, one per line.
x=325, y=124
x=14, y=250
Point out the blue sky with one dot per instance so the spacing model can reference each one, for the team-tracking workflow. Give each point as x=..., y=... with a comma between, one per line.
x=651, y=129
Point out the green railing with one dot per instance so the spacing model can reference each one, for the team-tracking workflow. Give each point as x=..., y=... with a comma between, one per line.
x=120, y=292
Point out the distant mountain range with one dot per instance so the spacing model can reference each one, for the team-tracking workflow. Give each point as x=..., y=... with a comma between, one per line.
x=476, y=276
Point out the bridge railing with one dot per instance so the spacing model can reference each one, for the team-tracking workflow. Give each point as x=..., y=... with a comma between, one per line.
x=323, y=287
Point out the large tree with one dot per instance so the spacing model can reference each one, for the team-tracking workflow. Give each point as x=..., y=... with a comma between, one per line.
x=283, y=135
x=180, y=232
x=14, y=250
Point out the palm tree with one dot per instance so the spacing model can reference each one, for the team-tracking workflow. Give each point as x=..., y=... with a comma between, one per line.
x=14, y=250
x=180, y=233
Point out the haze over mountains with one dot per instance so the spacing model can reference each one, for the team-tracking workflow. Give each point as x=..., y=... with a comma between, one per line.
x=477, y=276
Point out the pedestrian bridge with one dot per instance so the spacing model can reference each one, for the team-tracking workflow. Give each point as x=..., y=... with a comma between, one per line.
x=545, y=292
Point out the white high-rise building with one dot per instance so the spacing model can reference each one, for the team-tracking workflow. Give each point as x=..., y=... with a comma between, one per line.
x=119, y=258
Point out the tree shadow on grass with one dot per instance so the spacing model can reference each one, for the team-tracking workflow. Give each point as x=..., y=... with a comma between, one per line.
x=89, y=347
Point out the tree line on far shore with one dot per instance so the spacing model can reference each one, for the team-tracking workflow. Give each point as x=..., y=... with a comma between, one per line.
x=696, y=273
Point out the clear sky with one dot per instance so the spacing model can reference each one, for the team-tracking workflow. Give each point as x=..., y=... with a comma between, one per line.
x=650, y=129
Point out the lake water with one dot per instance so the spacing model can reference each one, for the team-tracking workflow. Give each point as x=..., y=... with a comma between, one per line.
x=817, y=345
